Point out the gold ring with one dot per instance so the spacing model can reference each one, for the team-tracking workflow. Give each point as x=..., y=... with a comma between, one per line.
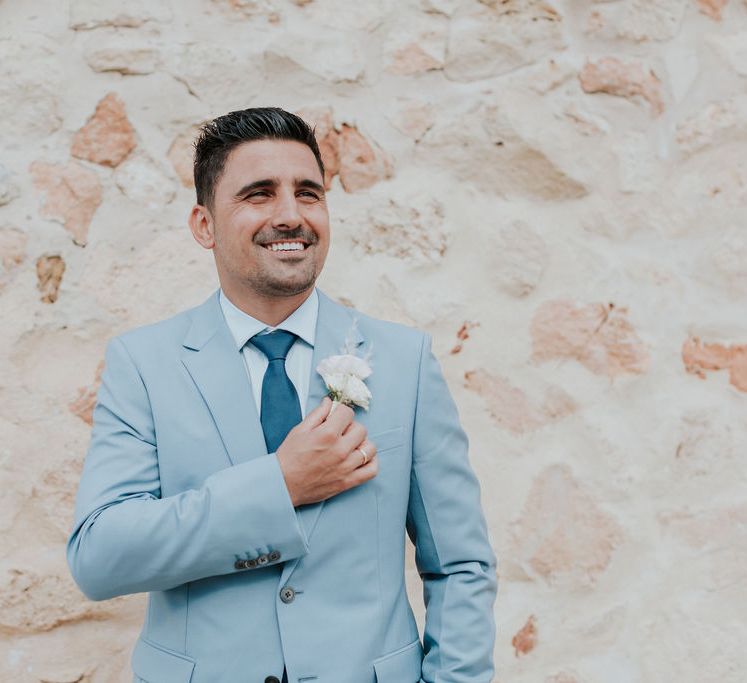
x=365, y=456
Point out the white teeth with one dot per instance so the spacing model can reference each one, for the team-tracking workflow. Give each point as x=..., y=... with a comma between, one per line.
x=286, y=246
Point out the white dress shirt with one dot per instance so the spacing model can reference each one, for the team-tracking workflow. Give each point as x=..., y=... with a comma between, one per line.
x=301, y=322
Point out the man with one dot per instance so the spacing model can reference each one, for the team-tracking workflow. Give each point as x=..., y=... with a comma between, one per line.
x=267, y=525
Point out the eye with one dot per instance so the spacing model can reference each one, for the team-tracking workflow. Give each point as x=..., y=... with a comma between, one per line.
x=309, y=194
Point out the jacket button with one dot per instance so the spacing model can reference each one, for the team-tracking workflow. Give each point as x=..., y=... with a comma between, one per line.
x=272, y=679
x=287, y=595
x=274, y=555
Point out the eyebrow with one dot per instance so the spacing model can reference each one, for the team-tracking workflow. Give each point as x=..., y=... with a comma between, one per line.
x=274, y=182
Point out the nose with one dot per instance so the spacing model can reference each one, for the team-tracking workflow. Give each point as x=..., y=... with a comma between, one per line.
x=286, y=214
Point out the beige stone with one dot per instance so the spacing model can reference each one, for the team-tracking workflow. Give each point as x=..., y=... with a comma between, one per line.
x=181, y=155
x=410, y=227
x=519, y=257
x=49, y=272
x=8, y=188
x=717, y=123
x=337, y=57
x=652, y=19
x=563, y=534
x=414, y=118
x=123, y=59
x=108, y=136
x=482, y=147
x=144, y=182
x=30, y=77
x=85, y=402
x=361, y=164
x=525, y=639
x=623, y=79
x=72, y=193
x=732, y=48
x=599, y=336
x=223, y=77
x=491, y=38
x=85, y=15
x=712, y=8
x=31, y=601
x=12, y=248
x=700, y=357
x=512, y=408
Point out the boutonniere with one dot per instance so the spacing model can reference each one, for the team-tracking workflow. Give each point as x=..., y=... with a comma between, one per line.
x=344, y=376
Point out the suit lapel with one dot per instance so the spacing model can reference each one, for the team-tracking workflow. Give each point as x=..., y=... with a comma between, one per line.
x=334, y=322
x=217, y=368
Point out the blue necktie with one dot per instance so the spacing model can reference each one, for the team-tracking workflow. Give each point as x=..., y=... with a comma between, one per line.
x=280, y=408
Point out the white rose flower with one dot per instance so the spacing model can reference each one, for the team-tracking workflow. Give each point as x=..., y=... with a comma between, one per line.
x=344, y=375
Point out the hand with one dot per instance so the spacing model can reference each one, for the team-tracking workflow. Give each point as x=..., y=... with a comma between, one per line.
x=319, y=459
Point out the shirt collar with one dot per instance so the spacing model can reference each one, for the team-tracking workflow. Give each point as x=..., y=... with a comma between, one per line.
x=243, y=327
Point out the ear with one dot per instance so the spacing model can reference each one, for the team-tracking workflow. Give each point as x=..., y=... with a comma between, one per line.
x=202, y=227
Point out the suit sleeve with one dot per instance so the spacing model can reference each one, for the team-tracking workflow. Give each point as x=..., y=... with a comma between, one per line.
x=126, y=538
x=452, y=551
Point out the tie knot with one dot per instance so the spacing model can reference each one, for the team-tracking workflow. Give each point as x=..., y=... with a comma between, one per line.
x=274, y=345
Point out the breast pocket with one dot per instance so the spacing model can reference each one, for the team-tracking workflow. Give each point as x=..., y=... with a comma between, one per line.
x=388, y=439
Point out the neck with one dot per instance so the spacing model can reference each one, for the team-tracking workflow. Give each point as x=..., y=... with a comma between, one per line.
x=269, y=310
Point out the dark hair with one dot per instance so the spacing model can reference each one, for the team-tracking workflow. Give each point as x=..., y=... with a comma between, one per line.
x=220, y=136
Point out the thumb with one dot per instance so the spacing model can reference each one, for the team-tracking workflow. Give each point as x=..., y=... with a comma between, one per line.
x=319, y=414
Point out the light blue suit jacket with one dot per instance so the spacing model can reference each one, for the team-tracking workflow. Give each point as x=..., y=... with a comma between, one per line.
x=179, y=498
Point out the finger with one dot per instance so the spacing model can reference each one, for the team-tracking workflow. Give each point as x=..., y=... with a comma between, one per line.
x=354, y=435
x=340, y=418
x=364, y=472
x=319, y=414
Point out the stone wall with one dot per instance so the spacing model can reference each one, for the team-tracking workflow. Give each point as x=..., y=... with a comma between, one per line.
x=556, y=190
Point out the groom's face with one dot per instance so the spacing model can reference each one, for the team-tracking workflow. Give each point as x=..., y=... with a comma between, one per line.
x=271, y=191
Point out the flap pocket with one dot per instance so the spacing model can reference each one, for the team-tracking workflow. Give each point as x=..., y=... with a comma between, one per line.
x=391, y=438
x=156, y=665
x=401, y=666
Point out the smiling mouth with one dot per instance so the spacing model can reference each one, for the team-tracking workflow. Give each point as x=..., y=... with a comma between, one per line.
x=287, y=246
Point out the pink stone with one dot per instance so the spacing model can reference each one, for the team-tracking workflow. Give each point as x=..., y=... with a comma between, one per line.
x=416, y=119
x=562, y=532
x=12, y=248
x=72, y=195
x=85, y=402
x=599, y=336
x=512, y=409
x=699, y=358
x=49, y=271
x=525, y=639
x=712, y=8
x=610, y=75
x=108, y=137
x=327, y=138
x=360, y=165
x=413, y=59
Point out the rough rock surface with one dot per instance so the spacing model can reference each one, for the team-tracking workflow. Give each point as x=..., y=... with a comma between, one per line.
x=554, y=190
x=108, y=137
x=562, y=533
x=599, y=336
x=71, y=195
x=630, y=80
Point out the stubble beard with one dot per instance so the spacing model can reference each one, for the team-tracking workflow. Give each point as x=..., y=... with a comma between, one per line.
x=270, y=284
